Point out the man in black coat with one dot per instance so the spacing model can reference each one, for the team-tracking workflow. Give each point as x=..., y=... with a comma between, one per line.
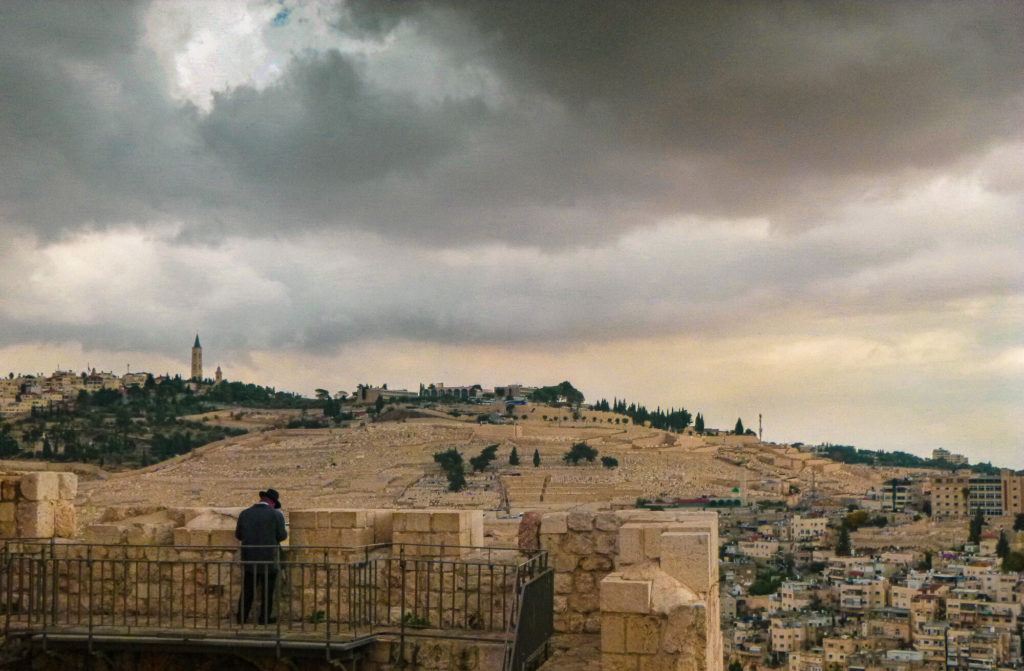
x=261, y=530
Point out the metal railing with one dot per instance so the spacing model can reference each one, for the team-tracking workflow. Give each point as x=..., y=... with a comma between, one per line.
x=324, y=595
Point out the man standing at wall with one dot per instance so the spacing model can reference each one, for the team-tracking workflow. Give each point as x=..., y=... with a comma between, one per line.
x=261, y=529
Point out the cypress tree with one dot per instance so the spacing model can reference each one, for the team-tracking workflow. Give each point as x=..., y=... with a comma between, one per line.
x=739, y=427
x=513, y=458
x=844, y=548
x=977, y=522
x=698, y=424
x=536, y=458
x=1003, y=546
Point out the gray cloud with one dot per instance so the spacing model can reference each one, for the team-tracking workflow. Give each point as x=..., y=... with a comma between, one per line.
x=607, y=119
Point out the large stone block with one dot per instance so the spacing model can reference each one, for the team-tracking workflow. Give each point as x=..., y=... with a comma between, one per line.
x=607, y=522
x=613, y=633
x=625, y=596
x=580, y=521
x=447, y=521
x=40, y=486
x=112, y=534
x=643, y=635
x=355, y=538
x=347, y=519
x=9, y=489
x=67, y=487
x=7, y=511
x=65, y=519
x=302, y=519
x=631, y=544
x=413, y=520
x=223, y=538
x=687, y=557
x=614, y=662
x=35, y=518
x=476, y=528
x=554, y=523
x=180, y=536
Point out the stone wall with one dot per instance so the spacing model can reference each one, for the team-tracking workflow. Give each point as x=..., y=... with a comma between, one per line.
x=660, y=608
x=383, y=655
x=38, y=505
x=646, y=580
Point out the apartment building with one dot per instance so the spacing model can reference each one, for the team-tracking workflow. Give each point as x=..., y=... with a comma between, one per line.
x=961, y=493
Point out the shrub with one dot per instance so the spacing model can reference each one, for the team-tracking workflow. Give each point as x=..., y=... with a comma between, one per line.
x=609, y=462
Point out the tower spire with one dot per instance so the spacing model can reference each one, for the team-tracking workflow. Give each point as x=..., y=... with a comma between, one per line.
x=197, y=361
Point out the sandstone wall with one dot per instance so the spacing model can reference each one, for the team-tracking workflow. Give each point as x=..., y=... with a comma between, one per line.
x=38, y=505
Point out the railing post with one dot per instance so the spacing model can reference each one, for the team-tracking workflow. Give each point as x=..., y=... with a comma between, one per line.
x=401, y=621
x=88, y=563
x=280, y=594
x=42, y=592
x=327, y=607
x=9, y=575
x=55, y=591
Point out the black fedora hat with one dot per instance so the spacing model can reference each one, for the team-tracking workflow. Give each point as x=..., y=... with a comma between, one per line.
x=273, y=496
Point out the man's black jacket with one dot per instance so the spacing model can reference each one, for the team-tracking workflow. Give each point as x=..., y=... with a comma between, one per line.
x=260, y=525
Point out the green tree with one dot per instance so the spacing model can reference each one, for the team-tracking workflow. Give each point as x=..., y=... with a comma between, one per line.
x=1018, y=522
x=484, y=459
x=453, y=466
x=844, y=548
x=976, y=525
x=379, y=404
x=536, y=458
x=1013, y=562
x=322, y=394
x=735, y=665
x=739, y=430
x=8, y=443
x=513, y=457
x=1003, y=546
x=579, y=452
x=698, y=425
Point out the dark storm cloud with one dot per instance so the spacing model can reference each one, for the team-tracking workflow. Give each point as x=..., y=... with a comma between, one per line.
x=611, y=116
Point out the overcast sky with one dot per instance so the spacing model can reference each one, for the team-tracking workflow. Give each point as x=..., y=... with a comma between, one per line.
x=813, y=211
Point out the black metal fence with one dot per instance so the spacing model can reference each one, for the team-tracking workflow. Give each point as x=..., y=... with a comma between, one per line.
x=317, y=594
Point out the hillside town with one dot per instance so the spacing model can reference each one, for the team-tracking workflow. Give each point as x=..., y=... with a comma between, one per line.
x=831, y=558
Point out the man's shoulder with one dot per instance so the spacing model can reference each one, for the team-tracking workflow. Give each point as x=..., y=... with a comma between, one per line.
x=250, y=511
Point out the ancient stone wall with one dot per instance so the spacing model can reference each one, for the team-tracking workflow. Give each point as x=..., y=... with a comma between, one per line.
x=38, y=505
x=646, y=580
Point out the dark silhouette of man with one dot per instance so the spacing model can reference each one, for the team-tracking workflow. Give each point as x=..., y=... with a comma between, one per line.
x=261, y=529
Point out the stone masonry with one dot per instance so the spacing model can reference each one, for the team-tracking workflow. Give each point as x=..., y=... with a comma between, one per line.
x=38, y=505
x=647, y=581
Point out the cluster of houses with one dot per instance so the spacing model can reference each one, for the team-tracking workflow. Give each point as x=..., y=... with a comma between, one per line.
x=368, y=394
x=886, y=610
x=19, y=395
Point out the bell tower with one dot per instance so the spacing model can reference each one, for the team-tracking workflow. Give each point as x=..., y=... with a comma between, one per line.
x=197, y=360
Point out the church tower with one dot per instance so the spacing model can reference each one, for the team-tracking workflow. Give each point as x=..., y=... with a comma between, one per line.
x=197, y=360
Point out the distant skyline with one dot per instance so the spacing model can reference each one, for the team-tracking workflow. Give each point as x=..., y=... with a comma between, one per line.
x=812, y=211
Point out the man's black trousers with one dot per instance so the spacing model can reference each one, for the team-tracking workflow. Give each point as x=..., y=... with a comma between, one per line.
x=262, y=576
